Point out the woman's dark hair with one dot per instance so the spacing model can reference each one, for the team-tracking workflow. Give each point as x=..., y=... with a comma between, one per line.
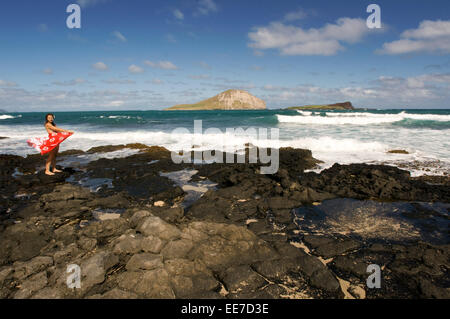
x=47, y=121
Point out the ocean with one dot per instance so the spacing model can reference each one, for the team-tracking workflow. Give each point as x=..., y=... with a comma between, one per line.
x=358, y=136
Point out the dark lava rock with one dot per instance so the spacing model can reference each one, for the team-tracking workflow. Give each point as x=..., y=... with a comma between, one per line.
x=362, y=181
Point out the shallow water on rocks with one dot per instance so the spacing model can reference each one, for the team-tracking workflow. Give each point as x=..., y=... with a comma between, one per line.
x=79, y=160
x=194, y=190
x=394, y=222
x=94, y=184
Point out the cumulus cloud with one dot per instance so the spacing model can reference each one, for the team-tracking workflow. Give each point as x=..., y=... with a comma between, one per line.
x=118, y=81
x=199, y=77
x=295, y=15
x=426, y=90
x=157, y=81
x=7, y=83
x=135, y=69
x=206, y=7
x=170, y=38
x=119, y=36
x=100, y=66
x=430, y=37
x=165, y=65
x=23, y=100
x=205, y=65
x=293, y=40
x=73, y=82
x=178, y=14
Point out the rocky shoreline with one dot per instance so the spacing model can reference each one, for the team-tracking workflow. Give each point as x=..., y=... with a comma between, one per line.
x=128, y=223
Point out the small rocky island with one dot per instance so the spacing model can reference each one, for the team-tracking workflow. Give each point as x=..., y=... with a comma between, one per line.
x=336, y=106
x=228, y=100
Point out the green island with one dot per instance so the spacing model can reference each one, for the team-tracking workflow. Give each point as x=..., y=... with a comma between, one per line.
x=228, y=100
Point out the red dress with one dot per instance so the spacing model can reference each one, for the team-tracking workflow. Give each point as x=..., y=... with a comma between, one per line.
x=46, y=144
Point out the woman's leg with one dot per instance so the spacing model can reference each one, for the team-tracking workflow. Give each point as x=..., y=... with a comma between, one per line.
x=54, y=160
x=48, y=163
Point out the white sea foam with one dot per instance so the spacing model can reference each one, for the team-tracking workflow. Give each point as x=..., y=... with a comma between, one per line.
x=331, y=144
x=356, y=118
x=338, y=120
x=6, y=117
x=306, y=113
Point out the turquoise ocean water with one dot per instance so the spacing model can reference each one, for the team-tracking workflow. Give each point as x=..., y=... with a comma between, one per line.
x=333, y=136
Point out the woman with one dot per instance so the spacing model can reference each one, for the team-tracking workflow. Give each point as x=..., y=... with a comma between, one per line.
x=50, y=144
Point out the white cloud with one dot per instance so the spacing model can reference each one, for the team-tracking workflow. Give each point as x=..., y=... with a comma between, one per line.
x=47, y=71
x=118, y=81
x=115, y=103
x=430, y=37
x=205, y=65
x=100, y=66
x=22, y=100
x=295, y=15
x=170, y=38
x=73, y=82
x=119, y=36
x=422, y=91
x=135, y=69
x=199, y=77
x=157, y=81
x=7, y=83
x=89, y=3
x=293, y=40
x=178, y=14
x=165, y=65
x=206, y=7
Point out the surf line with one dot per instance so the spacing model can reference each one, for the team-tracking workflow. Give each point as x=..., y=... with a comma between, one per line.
x=193, y=309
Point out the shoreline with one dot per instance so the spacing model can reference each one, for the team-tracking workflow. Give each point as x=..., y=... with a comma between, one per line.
x=154, y=229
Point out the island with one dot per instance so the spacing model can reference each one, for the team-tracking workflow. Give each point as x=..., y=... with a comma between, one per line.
x=228, y=100
x=336, y=106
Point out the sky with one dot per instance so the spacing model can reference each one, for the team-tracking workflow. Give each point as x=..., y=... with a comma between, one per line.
x=152, y=54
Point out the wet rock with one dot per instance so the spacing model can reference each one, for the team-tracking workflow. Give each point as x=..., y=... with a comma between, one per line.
x=95, y=267
x=32, y=285
x=155, y=226
x=189, y=278
x=144, y=261
x=349, y=265
x=153, y=284
x=86, y=243
x=177, y=249
x=329, y=247
x=242, y=279
x=138, y=216
x=115, y=294
x=128, y=244
x=48, y=293
x=228, y=245
x=105, y=229
x=362, y=181
x=152, y=244
x=37, y=264
x=171, y=215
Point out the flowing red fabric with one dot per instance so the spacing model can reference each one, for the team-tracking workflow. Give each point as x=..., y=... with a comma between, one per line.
x=46, y=144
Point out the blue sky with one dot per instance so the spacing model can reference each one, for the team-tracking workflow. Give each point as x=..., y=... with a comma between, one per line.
x=141, y=54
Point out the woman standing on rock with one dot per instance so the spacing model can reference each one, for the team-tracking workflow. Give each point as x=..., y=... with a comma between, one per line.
x=51, y=143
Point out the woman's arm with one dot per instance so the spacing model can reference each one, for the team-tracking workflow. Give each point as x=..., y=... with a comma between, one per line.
x=56, y=129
